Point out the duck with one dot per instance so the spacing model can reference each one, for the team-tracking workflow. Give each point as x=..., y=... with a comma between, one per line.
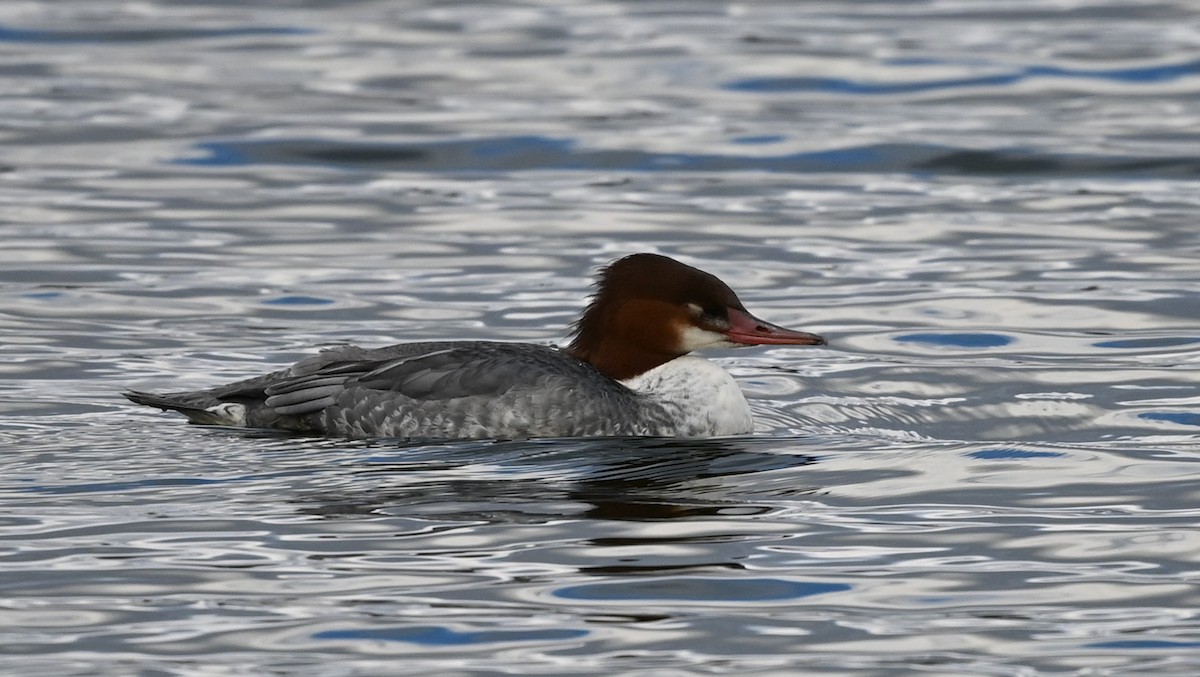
x=627, y=371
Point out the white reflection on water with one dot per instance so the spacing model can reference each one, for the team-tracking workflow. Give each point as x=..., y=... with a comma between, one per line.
x=991, y=470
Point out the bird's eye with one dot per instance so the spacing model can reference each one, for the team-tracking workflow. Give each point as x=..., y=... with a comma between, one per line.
x=714, y=317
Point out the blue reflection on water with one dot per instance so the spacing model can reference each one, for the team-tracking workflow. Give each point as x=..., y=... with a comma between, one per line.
x=507, y=154
x=1143, y=74
x=217, y=155
x=1180, y=417
x=958, y=340
x=298, y=301
x=506, y=146
x=994, y=454
x=760, y=139
x=1142, y=644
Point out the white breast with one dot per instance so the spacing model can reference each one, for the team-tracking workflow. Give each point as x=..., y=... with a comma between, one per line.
x=703, y=398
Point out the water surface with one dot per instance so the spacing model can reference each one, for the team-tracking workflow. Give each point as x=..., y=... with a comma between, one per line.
x=991, y=214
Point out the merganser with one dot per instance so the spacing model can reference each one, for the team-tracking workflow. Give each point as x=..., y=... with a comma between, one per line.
x=626, y=372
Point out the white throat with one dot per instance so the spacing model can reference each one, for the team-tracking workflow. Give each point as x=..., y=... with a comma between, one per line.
x=703, y=398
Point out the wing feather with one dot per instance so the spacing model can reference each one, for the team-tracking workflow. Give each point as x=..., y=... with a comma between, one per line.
x=425, y=372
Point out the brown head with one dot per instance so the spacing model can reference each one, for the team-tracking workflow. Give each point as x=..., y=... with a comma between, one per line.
x=649, y=309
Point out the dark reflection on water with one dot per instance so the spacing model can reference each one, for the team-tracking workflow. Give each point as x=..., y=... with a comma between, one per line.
x=489, y=155
x=118, y=36
x=697, y=589
x=990, y=211
x=609, y=479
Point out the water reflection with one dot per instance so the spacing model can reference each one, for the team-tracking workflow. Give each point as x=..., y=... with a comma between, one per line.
x=610, y=478
x=504, y=154
x=992, y=212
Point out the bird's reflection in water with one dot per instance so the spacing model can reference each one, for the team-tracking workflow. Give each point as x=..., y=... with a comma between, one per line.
x=533, y=480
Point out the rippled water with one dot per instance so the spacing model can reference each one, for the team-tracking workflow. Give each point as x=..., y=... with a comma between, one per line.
x=992, y=214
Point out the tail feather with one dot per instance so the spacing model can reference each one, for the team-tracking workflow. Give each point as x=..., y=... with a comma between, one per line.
x=198, y=407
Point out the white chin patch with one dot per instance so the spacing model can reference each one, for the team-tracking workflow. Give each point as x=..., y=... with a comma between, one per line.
x=694, y=338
